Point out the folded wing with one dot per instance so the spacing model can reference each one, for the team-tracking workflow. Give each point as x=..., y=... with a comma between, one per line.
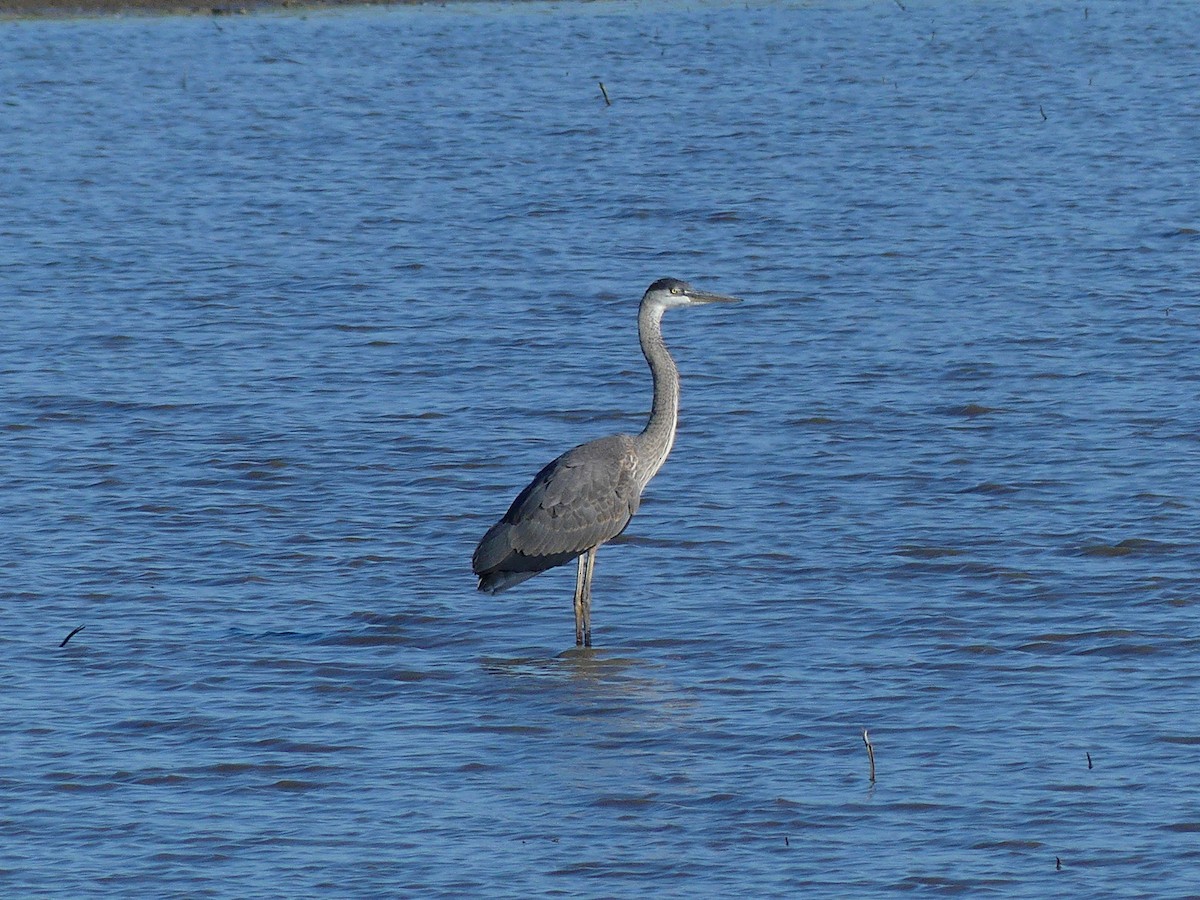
x=585, y=497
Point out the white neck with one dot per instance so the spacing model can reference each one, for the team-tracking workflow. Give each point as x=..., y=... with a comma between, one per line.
x=657, y=438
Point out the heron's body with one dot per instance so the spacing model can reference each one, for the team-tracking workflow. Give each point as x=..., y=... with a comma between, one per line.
x=587, y=496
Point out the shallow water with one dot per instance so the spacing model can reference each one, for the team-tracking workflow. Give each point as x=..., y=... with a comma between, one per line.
x=296, y=303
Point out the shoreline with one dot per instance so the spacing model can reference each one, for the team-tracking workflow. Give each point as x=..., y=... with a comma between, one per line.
x=17, y=10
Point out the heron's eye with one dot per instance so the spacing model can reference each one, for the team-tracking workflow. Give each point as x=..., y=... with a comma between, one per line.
x=676, y=290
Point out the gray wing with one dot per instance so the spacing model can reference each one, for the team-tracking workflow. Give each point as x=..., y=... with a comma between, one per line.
x=585, y=497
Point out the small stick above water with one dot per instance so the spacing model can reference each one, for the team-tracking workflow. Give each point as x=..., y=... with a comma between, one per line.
x=607, y=102
x=870, y=754
x=1089, y=756
x=71, y=635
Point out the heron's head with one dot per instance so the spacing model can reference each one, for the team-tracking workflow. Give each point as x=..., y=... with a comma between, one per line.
x=670, y=293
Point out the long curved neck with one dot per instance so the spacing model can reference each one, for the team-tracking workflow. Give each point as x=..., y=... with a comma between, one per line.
x=656, y=439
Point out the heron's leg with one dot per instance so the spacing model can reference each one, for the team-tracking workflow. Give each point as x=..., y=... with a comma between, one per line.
x=579, y=586
x=587, y=596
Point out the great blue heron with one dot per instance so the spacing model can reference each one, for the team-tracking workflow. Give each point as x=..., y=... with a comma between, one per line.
x=588, y=495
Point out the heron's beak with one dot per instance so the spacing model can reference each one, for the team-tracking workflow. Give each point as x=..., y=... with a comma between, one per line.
x=706, y=297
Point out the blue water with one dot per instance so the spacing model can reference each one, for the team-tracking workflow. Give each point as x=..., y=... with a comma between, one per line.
x=295, y=303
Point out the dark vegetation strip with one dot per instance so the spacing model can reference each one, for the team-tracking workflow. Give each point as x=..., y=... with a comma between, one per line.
x=66, y=8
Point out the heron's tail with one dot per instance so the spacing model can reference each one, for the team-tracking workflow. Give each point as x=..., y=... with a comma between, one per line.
x=495, y=582
x=500, y=566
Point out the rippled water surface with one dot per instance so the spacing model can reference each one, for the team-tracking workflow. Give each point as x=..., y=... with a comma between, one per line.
x=294, y=304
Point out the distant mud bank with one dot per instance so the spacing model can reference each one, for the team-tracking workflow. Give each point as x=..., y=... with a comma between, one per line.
x=66, y=8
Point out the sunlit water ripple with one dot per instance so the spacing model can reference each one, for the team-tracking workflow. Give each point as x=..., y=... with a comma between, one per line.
x=296, y=303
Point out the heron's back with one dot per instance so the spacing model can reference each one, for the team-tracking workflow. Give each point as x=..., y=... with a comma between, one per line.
x=580, y=500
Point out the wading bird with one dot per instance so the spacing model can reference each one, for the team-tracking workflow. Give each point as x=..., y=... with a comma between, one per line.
x=588, y=495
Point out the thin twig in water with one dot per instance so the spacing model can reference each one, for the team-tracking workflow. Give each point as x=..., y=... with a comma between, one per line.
x=870, y=754
x=1042, y=110
x=1089, y=756
x=1057, y=864
x=71, y=635
x=607, y=102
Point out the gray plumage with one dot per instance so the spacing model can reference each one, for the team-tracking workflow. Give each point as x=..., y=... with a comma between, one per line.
x=587, y=496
